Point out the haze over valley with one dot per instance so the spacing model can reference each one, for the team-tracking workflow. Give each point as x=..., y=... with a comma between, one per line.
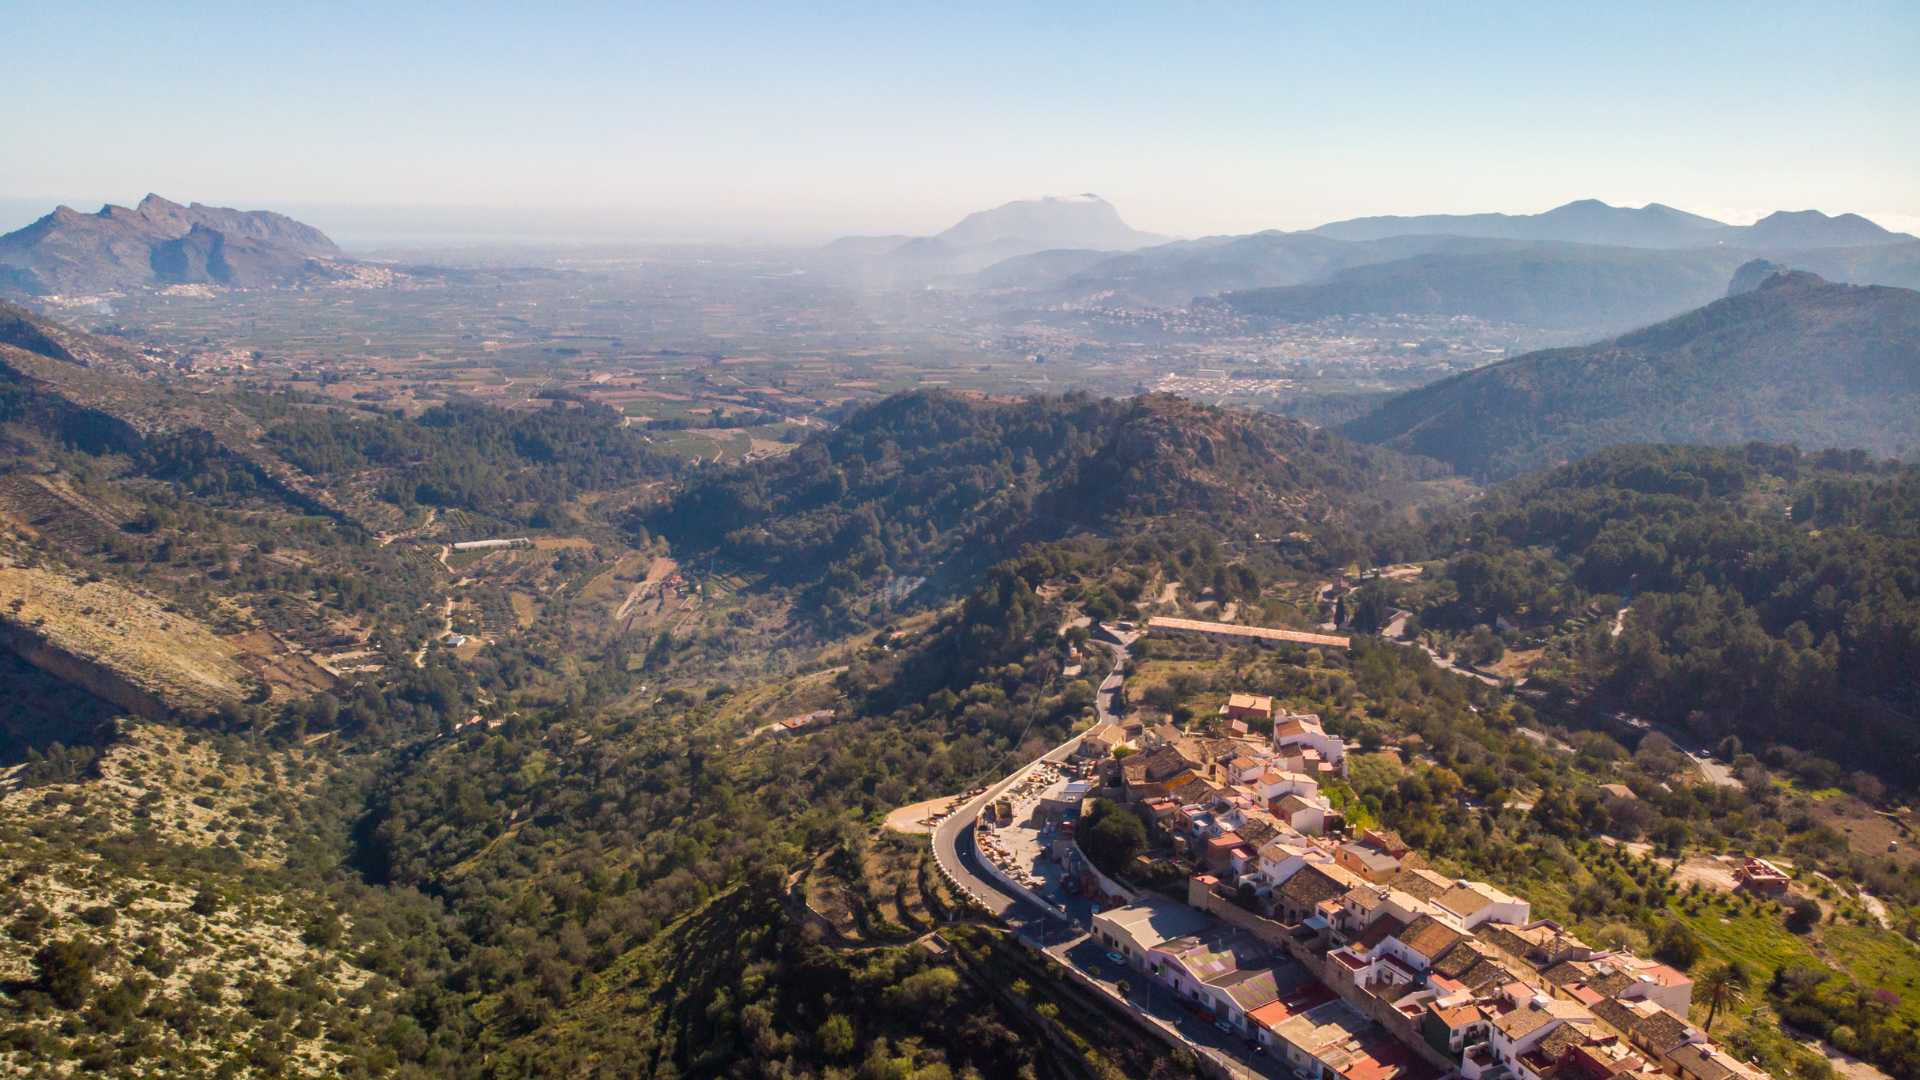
x=1057, y=544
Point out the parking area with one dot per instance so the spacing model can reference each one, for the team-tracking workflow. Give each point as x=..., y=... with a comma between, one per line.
x=1043, y=804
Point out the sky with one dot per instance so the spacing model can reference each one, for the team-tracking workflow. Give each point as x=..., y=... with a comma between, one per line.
x=798, y=122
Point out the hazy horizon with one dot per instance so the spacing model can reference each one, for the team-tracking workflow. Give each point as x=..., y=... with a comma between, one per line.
x=790, y=127
x=374, y=226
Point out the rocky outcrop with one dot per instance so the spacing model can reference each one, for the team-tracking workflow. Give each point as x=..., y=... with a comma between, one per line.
x=161, y=242
x=117, y=644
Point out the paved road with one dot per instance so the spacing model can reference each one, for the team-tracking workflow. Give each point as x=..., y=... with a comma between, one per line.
x=953, y=844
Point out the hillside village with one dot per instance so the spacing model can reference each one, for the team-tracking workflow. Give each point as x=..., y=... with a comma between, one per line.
x=1324, y=949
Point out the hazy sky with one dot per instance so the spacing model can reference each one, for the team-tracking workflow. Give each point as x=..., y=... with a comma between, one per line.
x=803, y=120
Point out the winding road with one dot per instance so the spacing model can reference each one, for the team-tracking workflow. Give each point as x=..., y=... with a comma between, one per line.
x=953, y=846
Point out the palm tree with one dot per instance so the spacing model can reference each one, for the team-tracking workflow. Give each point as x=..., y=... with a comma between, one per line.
x=1721, y=985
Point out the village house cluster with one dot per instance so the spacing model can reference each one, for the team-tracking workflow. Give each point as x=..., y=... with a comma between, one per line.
x=1342, y=952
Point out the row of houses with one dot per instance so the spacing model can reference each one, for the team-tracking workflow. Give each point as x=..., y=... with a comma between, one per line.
x=1338, y=952
x=1255, y=989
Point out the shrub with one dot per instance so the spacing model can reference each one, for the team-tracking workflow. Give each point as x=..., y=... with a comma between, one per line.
x=66, y=970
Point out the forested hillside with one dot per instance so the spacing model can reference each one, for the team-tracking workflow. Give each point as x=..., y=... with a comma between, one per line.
x=517, y=466
x=1796, y=360
x=1771, y=595
x=938, y=486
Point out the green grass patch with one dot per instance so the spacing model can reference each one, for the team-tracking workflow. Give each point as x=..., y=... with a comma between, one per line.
x=1879, y=959
x=1758, y=939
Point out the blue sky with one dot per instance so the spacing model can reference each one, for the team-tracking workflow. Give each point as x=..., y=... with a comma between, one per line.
x=804, y=120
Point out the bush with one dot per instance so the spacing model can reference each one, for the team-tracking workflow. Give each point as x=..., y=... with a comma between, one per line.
x=1676, y=945
x=836, y=1036
x=1804, y=915
x=66, y=970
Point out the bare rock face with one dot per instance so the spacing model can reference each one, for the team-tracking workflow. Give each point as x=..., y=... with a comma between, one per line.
x=160, y=242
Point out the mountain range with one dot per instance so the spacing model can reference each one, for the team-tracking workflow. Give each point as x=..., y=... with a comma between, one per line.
x=1584, y=268
x=1788, y=357
x=160, y=242
x=1590, y=221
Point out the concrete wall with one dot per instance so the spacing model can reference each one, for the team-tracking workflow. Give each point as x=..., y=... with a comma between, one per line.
x=1268, y=931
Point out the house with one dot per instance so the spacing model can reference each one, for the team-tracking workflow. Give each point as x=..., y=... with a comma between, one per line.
x=1234, y=995
x=1283, y=856
x=1523, y=1019
x=1559, y=1043
x=1474, y=903
x=1292, y=1001
x=1655, y=1031
x=1470, y=965
x=1249, y=707
x=1305, y=730
x=1760, y=876
x=1135, y=930
x=1424, y=940
x=1542, y=944
x=1303, y=1038
x=1705, y=1061
x=1064, y=802
x=1618, y=791
x=1101, y=741
x=1369, y=862
x=1270, y=784
x=1623, y=976
x=1308, y=816
x=1243, y=769
x=1365, y=905
x=1218, y=852
x=1310, y=889
x=803, y=721
x=1420, y=882
x=1450, y=1024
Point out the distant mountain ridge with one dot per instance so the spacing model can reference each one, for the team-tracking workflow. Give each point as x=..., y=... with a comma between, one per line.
x=1590, y=221
x=1791, y=359
x=1562, y=286
x=1584, y=268
x=160, y=242
x=1083, y=222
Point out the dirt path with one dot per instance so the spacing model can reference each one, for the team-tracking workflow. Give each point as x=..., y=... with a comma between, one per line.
x=446, y=627
x=433, y=512
x=1877, y=908
x=1844, y=1064
x=657, y=571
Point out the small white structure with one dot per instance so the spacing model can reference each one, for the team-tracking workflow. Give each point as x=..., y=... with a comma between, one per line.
x=488, y=545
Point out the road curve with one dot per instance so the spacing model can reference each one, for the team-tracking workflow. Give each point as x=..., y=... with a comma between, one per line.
x=953, y=846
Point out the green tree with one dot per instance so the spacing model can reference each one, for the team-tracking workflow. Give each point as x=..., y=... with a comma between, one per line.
x=1114, y=836
x=836, y=1036
x=1677, y=945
